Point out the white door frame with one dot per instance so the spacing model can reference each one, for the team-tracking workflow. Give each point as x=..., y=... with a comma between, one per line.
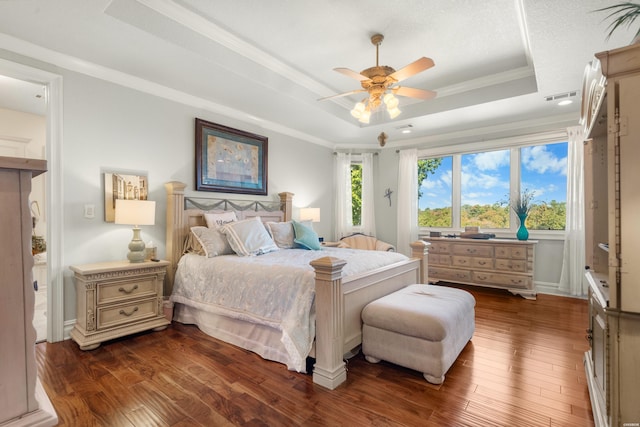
x=54, y=198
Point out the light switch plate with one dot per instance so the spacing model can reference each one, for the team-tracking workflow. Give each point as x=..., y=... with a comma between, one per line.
x=89, y=211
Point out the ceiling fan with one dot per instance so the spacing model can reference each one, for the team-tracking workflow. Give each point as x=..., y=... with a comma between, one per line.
x=380, y=83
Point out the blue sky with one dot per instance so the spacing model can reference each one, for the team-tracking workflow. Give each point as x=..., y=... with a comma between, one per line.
x=485, y=177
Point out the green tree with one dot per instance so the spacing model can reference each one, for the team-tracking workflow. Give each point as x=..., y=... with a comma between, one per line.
x=356, y=193
x=426, y=167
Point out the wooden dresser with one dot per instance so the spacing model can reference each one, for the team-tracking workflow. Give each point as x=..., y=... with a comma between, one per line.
x=611, y=107
x=22, y=399
x=117, y=298
x=496, y=263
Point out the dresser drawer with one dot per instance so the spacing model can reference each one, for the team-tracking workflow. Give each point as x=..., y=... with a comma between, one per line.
x=511, y=281
x=449, y=274
x=511, y=265
x=440, y=247
x=486, y=263
x=119, y=291
x=473, y=250
x=120, y=314
x=513, y=252
x=439, y=259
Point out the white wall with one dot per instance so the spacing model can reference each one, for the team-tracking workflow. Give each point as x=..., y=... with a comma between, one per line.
x=108, y=127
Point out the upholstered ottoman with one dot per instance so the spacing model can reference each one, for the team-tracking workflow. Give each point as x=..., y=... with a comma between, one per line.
x=421, y=327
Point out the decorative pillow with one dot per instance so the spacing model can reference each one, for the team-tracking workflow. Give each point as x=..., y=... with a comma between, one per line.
x=215, y=220
x=249, y=237
x=192, y=246
x=212, y=241
x=282, y=234
x=305, y=236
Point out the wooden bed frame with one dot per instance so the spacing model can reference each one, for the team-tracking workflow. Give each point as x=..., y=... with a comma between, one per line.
x=338, y=301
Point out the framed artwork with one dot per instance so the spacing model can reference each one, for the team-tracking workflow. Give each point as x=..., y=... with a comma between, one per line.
x=122, y=186
x=230, y=160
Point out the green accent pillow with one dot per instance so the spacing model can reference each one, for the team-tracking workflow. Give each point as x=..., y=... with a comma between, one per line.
x=305, y=238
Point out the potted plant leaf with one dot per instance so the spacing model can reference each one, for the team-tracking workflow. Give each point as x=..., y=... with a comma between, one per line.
x=522, y=205
x=622, y=14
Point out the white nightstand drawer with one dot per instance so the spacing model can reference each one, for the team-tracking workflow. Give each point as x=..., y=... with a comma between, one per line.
x=111, y=316
x=119, y=291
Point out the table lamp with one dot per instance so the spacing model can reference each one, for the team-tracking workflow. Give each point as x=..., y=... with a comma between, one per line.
x=135, y=212
x=310, y=214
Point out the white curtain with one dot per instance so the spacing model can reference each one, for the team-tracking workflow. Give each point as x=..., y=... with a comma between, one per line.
x=572, y=277
x=407, y=200
x=367, y=215
x=344, y=221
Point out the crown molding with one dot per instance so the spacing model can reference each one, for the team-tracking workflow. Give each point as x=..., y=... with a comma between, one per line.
x=78, y=65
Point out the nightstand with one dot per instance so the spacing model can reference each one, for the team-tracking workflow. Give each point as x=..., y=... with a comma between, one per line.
x=115, y=299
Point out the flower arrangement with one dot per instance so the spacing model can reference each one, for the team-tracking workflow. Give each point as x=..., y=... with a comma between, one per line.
x=523, y=203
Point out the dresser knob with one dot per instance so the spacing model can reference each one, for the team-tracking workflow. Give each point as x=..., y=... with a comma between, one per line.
x=121, y=289
x=124, y=313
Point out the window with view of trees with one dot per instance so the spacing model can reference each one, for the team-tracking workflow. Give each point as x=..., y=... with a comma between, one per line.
x=356, y=193
x=483, y=181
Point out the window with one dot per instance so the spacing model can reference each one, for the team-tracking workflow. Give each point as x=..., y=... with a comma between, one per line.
x=473, y=188
x=356, y=193
x=544, y=171
x=435, y=192
x=484, y=183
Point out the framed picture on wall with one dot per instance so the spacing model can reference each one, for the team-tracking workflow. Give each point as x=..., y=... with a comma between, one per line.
x=230, y=160
x=122, y=186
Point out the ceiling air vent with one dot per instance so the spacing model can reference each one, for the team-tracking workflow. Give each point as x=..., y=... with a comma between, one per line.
x=561, y=96
x=405, y=128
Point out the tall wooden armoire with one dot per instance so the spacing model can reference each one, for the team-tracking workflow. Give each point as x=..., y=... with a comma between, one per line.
x=22, y=399
x=611, y=114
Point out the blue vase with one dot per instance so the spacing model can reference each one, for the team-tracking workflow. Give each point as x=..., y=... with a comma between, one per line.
x=522, y=233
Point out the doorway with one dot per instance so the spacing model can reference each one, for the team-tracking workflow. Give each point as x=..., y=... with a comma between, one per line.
x=31, y=104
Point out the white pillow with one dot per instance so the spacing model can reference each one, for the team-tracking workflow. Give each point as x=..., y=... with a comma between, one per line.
x=212, y=241
x=249, y=237
x=283, y=233
x=215, y=220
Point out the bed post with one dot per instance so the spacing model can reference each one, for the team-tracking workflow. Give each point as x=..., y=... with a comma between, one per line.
x=420, y=250
x=329, y=370
x=175, y=229
x=286, y=204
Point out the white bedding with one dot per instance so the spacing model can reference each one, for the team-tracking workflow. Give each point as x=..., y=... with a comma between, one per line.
x=275, y=289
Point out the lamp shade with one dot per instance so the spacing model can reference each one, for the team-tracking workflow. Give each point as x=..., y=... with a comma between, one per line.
x=135, y=212
x=310, y=214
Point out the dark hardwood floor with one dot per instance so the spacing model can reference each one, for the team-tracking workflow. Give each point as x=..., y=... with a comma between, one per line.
x=523, y=367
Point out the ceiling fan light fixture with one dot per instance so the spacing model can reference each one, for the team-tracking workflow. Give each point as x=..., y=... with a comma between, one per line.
x=391, y=101
x=358, y=109
x=394, y=112
x=379, y=83
x=366, y=115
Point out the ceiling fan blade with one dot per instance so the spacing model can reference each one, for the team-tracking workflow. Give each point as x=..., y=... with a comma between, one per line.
x=414, y=68
x=414, y=93
x=341, y=94
x=350, y=73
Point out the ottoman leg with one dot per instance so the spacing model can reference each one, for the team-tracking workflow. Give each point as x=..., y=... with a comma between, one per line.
x=433, y=380
x=371, y=359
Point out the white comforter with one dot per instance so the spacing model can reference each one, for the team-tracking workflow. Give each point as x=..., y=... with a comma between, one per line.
x=275, y=289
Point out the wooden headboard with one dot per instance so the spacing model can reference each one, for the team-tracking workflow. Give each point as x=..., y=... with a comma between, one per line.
x=184, y=213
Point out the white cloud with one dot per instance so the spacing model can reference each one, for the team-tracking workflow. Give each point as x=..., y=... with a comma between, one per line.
x=540, y=160
x=491, y=160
